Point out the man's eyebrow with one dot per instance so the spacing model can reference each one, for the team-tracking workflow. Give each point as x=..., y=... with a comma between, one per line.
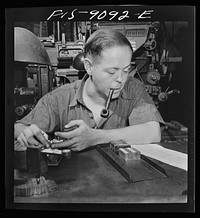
x=127, y=66
x=116, y=68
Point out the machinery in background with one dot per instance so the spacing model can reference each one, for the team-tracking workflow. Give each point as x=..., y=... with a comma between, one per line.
x=62, y=55
x=32, y=69
x=32, y=81
x=48, y=41
x=41, y=65
x=150, y=67
x=66, y=70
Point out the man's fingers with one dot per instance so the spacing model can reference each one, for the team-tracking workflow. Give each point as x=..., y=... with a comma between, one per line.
x=64, y=144
x=34, y=128
x=68, y=129
x=22, y=140
x=38, y=134
x=32, y=136
x=21, y=143
x=41, y=138
x=33, y=141
x=74, y=123
x=67, y=135
x=74, y=148
x=27, y=133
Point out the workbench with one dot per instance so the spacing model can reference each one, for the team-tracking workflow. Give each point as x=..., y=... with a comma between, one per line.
x=87, y=177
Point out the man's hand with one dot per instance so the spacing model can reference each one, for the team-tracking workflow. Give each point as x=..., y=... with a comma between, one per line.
x=78, y=139
x=33, y=136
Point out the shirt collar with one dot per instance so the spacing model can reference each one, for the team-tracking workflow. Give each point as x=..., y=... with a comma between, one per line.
x=124, y=93
x=79, y=94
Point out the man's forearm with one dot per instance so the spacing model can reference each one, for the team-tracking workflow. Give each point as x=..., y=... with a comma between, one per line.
x=136, y=134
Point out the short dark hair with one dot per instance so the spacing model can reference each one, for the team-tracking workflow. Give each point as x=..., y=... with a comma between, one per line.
x=104, y=38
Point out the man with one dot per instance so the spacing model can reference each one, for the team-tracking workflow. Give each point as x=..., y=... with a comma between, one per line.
x=133, y=116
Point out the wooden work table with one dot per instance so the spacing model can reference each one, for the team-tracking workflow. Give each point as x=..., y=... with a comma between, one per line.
x=87, y=177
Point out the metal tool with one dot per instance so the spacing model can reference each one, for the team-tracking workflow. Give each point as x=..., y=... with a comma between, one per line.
x=105, y=111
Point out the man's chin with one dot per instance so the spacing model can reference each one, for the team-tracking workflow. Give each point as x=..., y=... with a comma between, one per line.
x=115, y=95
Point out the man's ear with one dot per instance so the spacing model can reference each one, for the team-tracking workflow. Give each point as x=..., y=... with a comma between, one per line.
x=88, y=66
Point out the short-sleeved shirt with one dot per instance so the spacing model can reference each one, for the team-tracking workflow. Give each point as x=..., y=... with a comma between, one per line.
x=58, y=107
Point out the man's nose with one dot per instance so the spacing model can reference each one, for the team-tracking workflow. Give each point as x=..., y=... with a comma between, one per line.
x=120, y=75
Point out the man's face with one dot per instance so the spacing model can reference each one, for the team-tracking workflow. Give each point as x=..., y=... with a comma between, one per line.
x=111, y=70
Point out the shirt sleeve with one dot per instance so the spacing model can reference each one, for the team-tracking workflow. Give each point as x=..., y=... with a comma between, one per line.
x=43, y=115
x=144, y=109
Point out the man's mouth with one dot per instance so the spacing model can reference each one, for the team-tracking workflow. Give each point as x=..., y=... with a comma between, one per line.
x=117, y=90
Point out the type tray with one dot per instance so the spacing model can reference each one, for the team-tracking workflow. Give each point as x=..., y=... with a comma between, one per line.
x=133, y=170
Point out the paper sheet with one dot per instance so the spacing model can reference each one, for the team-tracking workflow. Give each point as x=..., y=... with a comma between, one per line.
x=165, y=155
